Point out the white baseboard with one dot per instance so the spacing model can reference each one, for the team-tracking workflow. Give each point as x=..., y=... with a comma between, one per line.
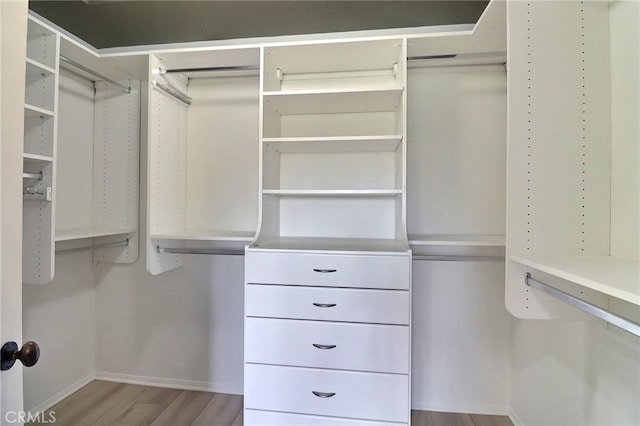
x=491, y=410
x=50, y=402
x=163, y=382
x=517, y=421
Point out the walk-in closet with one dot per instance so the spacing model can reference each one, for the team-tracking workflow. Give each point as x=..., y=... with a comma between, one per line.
x=424, y=225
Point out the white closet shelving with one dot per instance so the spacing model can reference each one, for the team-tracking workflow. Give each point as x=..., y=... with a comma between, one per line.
x=80, y=161
x=333, y=143
x=570, y=190
x=40, y=124
x=203, y=157
x=332, y=229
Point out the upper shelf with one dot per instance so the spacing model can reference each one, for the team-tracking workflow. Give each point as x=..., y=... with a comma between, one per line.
x=36, y=68
x=332, y=101
x=78, y=234
x=34, y=111
x=37, y=158
x=333, y=192
x=378, y=143
x=333, y=244
x=613, y=276
x=457, y=240
x=232, y=236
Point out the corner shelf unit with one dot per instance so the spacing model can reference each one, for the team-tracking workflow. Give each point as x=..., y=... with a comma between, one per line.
x=40, y=124
x=79, y=158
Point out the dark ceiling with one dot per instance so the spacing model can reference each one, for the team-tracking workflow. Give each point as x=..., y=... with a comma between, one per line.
x=127, y=23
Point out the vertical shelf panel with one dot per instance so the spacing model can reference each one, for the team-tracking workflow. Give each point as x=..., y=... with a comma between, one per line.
x=166, y=172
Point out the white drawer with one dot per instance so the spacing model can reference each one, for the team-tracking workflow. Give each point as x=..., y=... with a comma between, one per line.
x=389, y=272
x=271, y=418
x=364, y=347
x=329, y=304
x=373, y=396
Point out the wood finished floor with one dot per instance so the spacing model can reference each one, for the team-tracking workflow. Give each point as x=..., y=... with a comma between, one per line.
x=118, y=404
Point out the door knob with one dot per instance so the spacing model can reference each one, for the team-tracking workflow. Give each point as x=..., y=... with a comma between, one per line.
x=28, y=354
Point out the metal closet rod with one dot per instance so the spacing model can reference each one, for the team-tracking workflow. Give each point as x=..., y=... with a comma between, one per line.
x=176, y=250
x=457, y=258
x=596, y=311
x=123, y=243
x=171, y=91
x=164, y=71
x=100, y=77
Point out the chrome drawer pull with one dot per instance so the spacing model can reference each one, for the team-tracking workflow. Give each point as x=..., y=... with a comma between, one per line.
x=323, y=394
x=324, y=305
x=319, y=346
x=324, y=271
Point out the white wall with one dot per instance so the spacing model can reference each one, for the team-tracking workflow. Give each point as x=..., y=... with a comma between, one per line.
x=456, y=185
x=461, y=338
x=60, y=316
x=574, y=373
x=183, y=328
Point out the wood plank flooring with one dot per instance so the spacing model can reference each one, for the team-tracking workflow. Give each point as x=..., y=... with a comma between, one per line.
x=117, y=404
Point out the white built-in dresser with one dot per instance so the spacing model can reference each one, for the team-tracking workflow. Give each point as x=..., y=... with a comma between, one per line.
x=328, y=279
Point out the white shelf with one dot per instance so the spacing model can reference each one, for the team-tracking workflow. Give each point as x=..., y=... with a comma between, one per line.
x=78, y=234
x=333, y=244
x=36, y=68
x=457, y=240
x=337, y=57
x=37, y=158
x=240, y=236
x=34, y=111
x=332, y=101
x=613, y=276
x=335, y=144
x=333, y=193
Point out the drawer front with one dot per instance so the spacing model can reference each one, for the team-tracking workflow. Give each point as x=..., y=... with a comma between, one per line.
x=388, y=272
x=364, y=347
x=373, y=396
x=271, y=418
x=328, y=304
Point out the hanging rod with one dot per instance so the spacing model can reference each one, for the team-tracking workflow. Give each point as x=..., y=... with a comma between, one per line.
x=164, y=71
x=458, y=56
x=35, y=176
x=427, y=57
x=101, y=77
x=610, y=317
x=123, y=243
x=458, y=258
x=173, y=92
x=175, y=250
